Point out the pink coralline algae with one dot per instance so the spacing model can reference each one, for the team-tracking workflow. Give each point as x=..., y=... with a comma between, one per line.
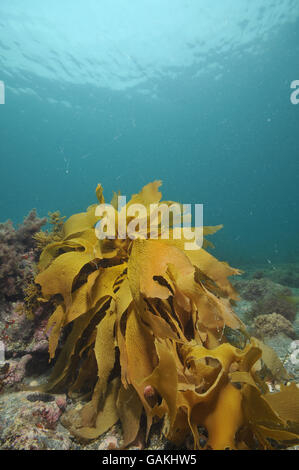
x=46, y=411
x=16, y=371
x=17, y=254
x=110, y=443
x=61, y=402
x=31, y=424
x=49, y=415
x=21, y=334
x=40, y=338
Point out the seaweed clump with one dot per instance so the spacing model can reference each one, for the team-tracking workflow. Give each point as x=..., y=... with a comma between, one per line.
x=17, y=255
x=45, y=237
x=147, y=325
x=41, y=239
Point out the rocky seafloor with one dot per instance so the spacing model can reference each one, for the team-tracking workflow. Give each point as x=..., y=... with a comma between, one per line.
x=30, y=420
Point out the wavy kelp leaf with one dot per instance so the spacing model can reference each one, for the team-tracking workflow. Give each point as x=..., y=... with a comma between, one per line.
x=286, y=402
x=123, y=297
x=161, y=329
x=172, y=318
x=141, y=351
x=206, y=407
x=123, y=357
x=250, y=355
x=164, y=378
x=114, y=200
x=92, y=336
x=177, y=233
x=80, y=222
x=64, y=361
x=148, y=195
x=149, y=335
x=89, y=242
x=99, y=194
x=123, y=300
x=85, y=239
x=212, y=311
x=81, y=301
x=216, y=270
x=104, y=285
x=224, y=310
x=201, y=374
x=141, y=357
x=136, y=270
x=180, y=430
x=107, y=416
x=149, y=259
x=272, y=361
x=52, y=250
x=186, y=402
x=279, y=435
x=228, y=410
x=242, y=377
x=58, y=278
x=55, y=324
x=142, y=279
x=219, y=391
x=225, y=354
x=263, y=420
x=48, y=254
x=260, y=411
x=86, y=374
x=104, y=342
x=210, y=230
x=129, y=408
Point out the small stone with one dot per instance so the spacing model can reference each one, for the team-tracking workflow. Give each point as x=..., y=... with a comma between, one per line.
x=61, y=402
x=109, y=443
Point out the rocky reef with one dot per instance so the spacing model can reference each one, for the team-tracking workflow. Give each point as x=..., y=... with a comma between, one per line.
x=284, y=274
x=18, y=255
x=267, y=297
x=271, y=325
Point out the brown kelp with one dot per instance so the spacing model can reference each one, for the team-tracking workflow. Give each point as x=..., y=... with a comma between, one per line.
x=148, y=325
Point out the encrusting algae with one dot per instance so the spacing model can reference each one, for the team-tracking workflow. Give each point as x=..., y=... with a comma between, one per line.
x=148, y=326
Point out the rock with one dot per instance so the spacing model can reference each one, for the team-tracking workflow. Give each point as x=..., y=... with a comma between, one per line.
x=26, y=425
x=271, y=325
x=267, y=297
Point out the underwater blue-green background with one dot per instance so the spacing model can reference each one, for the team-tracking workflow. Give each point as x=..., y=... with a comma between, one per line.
x=123, y=92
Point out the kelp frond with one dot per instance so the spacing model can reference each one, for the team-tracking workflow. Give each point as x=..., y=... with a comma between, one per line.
x=149, y=322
